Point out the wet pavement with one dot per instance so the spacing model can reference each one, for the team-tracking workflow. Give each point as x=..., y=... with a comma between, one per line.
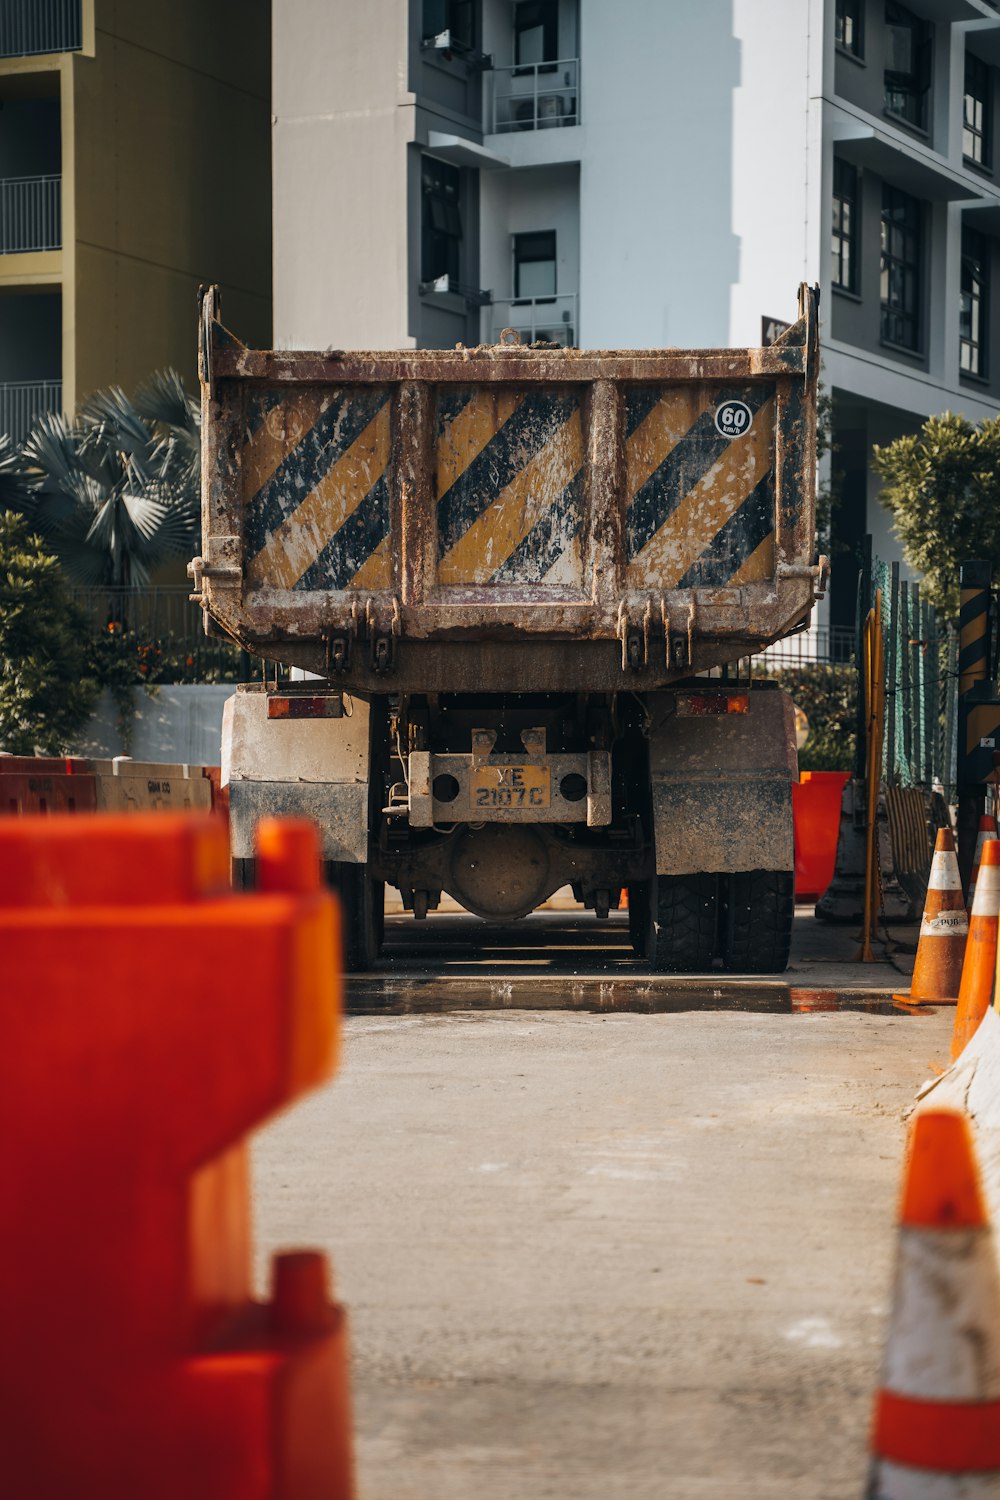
x=563, y=959
x=601, y=1233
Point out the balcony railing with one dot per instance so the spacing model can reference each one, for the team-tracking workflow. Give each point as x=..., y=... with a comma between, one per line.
x=820, y=645
x=30, y=214
x=551, y=319
x=29, y=27
x=536, y=96
x=22, y=401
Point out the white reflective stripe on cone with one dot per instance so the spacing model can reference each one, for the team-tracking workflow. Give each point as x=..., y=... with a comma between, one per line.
x=944, y=872
x=897, y=1482
x=944, y=1342
x=945, y=924
x=986, y=902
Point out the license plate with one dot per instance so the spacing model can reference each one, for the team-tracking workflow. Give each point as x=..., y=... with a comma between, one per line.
x=510, y=786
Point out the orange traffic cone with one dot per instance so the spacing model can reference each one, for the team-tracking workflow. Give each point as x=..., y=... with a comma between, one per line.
x=979, y=969
x=987, y=831
x=937, y=1414
x=937, y=973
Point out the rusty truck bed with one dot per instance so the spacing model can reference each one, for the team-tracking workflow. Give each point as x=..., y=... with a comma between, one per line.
x=508, y=518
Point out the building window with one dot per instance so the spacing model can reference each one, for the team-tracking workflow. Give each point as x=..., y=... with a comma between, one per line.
x=845, y=225
x=848, y=27
x=899, y=283
x=535, y=264
x=440, y=220
x=976, y=113
x=536, y=32
x=973, y=312
x=456, y=16
x=907, y=65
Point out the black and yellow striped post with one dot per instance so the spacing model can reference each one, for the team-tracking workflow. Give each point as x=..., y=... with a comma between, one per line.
x=978, y=708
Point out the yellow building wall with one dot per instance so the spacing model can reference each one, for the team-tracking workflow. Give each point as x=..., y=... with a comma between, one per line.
x=171, y=185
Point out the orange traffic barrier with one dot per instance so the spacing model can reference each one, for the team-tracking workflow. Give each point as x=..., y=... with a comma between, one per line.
x=987, y=831
x=816, y=801
x=975, y=993
x=46, y=784
x=937, y=972
x=51, y=784
x=148, y=1020
x=937, y=1414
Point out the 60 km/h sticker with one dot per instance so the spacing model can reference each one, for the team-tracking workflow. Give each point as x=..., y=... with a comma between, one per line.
x=733, y=419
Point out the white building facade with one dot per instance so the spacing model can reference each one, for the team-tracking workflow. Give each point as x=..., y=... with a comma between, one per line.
x=653, y=172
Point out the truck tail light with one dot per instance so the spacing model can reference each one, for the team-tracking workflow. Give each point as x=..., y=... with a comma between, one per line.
x=301, y=706
x=693, y=705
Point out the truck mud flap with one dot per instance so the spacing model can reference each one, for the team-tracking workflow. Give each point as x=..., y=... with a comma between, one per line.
x=722, y=787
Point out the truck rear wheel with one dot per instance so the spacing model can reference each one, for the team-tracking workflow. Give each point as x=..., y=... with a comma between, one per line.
x=686, y=920
x=757, y=927
x=641, y=920
x=362, y=902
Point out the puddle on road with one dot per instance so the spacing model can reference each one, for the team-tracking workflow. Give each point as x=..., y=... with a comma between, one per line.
x=459, y=963
x=407, y=995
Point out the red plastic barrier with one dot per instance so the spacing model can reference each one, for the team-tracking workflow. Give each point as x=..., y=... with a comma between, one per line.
x=46, y=784
x=148, y=1021
x=816, y=808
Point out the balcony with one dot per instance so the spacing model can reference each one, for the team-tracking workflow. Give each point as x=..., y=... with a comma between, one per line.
x=535, y=96
x=30, y=214
x=22, y=401
x=551, y=319
x=31, y=27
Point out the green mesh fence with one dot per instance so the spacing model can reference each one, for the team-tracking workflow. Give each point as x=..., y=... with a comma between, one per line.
x=921, y=676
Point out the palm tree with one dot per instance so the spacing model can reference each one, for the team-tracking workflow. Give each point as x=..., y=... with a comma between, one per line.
x=116, y=492
x=15, y=489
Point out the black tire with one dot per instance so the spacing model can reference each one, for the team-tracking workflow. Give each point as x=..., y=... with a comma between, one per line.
x=362, y=901
x=757, y=926
x=641, y=920
x=244, y=874
x=687, y=909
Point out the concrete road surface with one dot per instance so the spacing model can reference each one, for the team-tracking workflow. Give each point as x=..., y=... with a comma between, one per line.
x=609, y=1254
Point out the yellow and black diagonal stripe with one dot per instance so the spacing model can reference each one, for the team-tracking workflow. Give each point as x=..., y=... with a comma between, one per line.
x=509, y=486
x=700, y=506
x=982, y=736
x=315, y=487
x=974, y=625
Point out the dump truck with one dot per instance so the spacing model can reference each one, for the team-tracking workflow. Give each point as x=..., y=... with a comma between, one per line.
x=507, y=601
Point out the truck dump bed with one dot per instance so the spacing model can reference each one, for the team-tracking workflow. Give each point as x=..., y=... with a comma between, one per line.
x=508, y=518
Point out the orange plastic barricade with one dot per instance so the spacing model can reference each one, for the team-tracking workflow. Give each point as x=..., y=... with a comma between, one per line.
x=46, y=784
x=148, y=1020
x=816, y=800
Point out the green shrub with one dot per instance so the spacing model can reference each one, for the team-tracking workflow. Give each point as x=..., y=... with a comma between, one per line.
x=47, y=685
x=828, y=696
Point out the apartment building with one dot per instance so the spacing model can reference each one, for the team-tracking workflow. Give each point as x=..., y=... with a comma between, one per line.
x=134, y=164
x=652, y=173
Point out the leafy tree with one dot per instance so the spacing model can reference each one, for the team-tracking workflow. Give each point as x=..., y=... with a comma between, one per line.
x=116, y=492
x=46, y=690
x=942, y=487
